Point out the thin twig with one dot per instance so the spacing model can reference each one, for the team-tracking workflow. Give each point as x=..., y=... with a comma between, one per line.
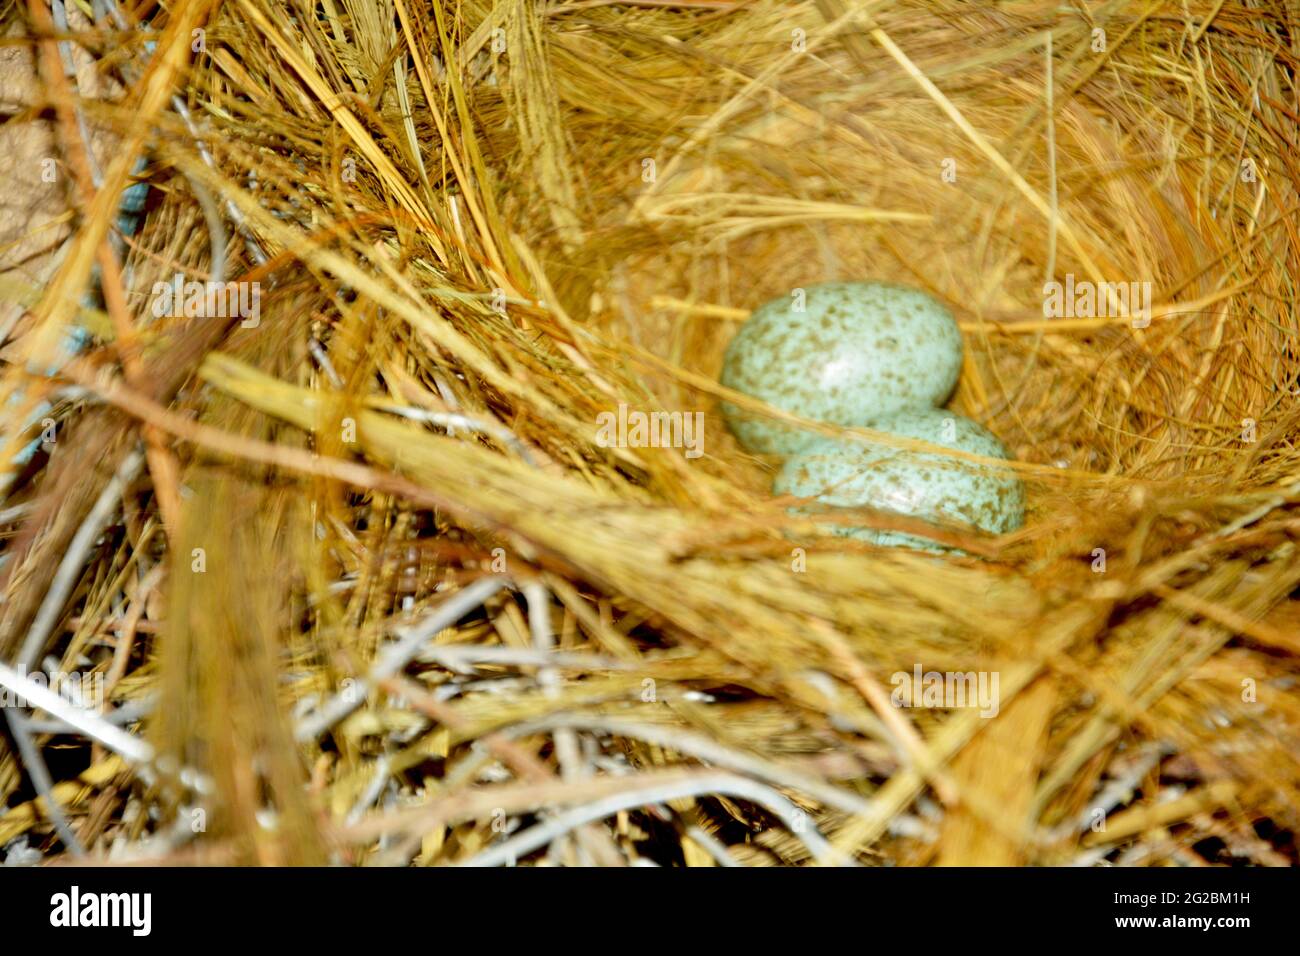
x=711, y=845
x=398, y=655
x=715, y=782
x=85, y=720
x=463, y=657
x=703, y=748
x=595, y=842
x=128, y=713
x=70, y=568
x=39, y=774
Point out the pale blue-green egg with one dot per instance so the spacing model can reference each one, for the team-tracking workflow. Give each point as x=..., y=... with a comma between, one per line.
x=927, y=485
x=842, y=353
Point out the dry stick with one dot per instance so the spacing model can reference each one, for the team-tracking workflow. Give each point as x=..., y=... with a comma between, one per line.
x=596, y=843
x=162, y=464
x=70, y=567
x=323, y=360
x=383, y=767
x=128, y=713
x=73, y=481
x=705, y=748
x=524, y=797
x=201, y=193
x=398, y=655
x=39, y=772
x=127, y=630
x=710, y=783
x=463, y=657
x=1135, y=820
x=539, y=624
x=524, y=763
x=454, y=420
x=12, y=514
x=70, y=123
x=85, y=720
x=64, y=580
x=520, y=760
x=69, y=571
x=711, y=845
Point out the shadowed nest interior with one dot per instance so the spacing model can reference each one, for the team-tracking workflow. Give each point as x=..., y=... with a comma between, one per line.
x=474, y=228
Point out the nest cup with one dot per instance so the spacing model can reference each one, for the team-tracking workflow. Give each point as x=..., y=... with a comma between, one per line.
x=1111, y=236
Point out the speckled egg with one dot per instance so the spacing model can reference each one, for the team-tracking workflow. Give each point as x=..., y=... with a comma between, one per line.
x=919, y=484
x=842, y=353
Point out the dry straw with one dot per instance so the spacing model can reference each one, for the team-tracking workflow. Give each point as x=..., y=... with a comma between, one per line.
x=476, y=227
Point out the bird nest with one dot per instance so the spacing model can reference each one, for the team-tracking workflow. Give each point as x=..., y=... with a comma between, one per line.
x=352, y=548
